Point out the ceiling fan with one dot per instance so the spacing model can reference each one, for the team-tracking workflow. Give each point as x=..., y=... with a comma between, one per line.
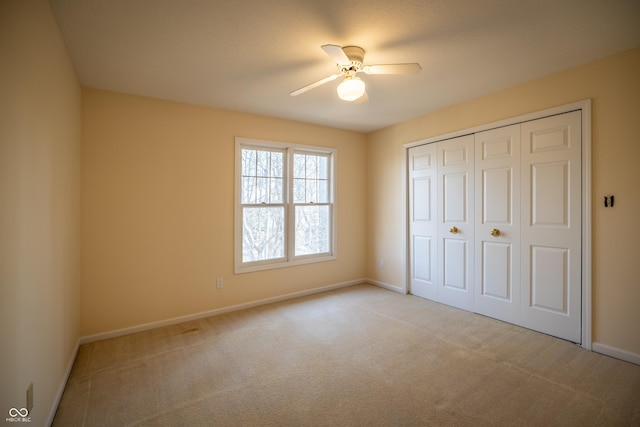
x=350, y=61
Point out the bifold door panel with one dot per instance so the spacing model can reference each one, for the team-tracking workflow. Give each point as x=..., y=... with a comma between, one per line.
x=497, y=265
x=455, y=221
x=551, y=228
x=423, y=220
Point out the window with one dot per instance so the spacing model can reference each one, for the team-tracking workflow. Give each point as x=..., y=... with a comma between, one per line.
x=284, y=205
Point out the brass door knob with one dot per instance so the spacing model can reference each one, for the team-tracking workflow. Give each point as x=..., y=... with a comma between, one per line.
x=454, y=230
x=495, y=232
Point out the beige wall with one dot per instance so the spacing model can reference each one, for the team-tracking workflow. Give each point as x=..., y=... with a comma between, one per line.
x=39, y=207
x=614, y=87
x=157, y=209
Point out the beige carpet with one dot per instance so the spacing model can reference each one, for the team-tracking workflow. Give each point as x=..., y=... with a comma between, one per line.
x=359, y=356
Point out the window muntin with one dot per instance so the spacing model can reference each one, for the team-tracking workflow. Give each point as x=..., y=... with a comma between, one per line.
x=285, y=205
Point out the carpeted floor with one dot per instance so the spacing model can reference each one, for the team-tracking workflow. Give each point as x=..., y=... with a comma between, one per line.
x=358, y=356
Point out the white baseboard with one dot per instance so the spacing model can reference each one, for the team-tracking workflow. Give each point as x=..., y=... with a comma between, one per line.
x=63, y=384
x=152, y=325
x=627, y=356
x=386, y=286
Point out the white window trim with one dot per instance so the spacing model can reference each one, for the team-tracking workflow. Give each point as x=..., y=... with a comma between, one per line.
x=290, y=259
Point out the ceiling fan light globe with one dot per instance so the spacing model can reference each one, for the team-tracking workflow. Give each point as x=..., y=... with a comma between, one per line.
x=351, y=89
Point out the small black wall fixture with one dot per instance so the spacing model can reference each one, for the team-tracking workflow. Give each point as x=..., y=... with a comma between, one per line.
x=608, y=201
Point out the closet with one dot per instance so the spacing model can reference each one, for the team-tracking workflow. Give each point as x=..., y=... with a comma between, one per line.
x=495, y=223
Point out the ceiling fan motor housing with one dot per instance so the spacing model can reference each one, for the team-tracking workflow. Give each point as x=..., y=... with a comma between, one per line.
x=355, y=55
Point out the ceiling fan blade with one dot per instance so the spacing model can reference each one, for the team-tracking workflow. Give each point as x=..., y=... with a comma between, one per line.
x=315, y=84
x=337, y=54
x=392, y=69
x=364, y=98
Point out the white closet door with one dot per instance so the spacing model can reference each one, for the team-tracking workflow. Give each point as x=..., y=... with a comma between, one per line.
x=497, y=228
x=551, y=225
x=423, y=220
x=455, y=222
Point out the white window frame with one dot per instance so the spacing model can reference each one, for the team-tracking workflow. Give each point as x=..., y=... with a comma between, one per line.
x=289, y=259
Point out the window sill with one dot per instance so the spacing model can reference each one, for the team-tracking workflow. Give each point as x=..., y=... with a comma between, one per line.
x=270, y=265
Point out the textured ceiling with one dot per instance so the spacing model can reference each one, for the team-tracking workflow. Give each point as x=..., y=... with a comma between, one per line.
x=247, y=55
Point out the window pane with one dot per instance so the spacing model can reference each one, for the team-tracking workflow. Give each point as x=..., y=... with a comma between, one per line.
x=311, y=193
x=248, y=162
x=314, y=169
x=262, y=176
x=323, y=167
x=248, y=190
x=276, y=164
x=298, y=190
x=298, y=166
x=262, y=233
x=311, y=166
x=312, y=230
x=264, y=161
x=262, y=190
x=323, y=192
x=276, y=190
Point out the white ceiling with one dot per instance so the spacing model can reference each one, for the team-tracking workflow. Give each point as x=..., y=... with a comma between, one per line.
x=247, y=55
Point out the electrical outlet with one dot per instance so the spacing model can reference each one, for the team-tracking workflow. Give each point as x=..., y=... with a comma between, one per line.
x=29, y=397
x=219, y=283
